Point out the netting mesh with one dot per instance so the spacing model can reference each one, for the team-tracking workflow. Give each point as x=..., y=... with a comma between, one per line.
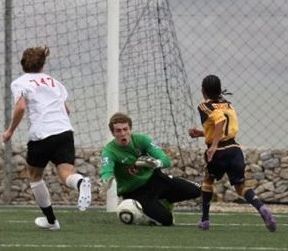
x=153, y=89
x=244, y=42
x=75, y=32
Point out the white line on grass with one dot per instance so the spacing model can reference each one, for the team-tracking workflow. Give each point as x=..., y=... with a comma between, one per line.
x=177, y=224
x=229, y=214
x=61, y=210
x=230, y=224
x=18, y=221
x=141, y=247
x=26, y=210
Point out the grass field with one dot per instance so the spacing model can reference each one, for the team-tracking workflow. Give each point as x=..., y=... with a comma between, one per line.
x=98, y=230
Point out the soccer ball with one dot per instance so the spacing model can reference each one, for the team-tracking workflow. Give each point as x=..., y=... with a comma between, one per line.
x=130, y=212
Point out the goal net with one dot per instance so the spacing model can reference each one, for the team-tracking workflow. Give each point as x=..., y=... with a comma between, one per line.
x=152, y=79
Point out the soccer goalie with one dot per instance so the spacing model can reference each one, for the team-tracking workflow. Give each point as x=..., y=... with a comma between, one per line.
x=223, y=154
x=136, y=163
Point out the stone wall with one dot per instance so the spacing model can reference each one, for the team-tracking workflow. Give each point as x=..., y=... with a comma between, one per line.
x=266, y=171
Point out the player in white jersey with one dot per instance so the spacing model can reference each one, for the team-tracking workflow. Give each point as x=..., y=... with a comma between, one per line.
x=50, y=136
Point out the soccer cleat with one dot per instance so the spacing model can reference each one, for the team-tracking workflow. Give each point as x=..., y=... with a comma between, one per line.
x=268, y=218
x=42, y=222
x=204, y=225
x=84, y=199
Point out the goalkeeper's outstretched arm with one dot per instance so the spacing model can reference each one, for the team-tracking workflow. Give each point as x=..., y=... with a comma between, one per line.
x=107, y=167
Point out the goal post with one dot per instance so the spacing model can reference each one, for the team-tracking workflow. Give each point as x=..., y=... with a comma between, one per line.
x=112, y=89
x=148, y=79
x=112, y=56
x=7, y=98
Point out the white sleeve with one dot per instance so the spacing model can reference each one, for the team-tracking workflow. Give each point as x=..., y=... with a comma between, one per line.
x=18, y=91
x=64, y=92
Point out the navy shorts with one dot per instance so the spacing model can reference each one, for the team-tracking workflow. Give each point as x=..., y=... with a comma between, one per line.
x=228, y=160
x=58, y=149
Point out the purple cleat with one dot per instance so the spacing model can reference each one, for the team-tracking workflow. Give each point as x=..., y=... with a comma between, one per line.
x=268, y=218
x=204, y=225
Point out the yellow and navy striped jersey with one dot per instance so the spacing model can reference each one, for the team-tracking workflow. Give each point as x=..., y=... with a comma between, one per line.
x=213, y=112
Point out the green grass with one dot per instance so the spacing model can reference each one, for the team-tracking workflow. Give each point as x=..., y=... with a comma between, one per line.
x=98, y=230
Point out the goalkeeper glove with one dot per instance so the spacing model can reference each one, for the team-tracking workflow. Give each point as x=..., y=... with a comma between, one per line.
x=147, y=161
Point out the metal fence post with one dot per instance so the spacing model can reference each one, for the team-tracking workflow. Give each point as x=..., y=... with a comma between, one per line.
x=7, y=98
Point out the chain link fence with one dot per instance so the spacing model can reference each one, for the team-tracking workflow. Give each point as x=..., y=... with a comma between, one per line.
x=245, y=43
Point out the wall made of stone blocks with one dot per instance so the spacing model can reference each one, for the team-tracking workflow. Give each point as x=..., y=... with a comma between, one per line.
x=266, y=171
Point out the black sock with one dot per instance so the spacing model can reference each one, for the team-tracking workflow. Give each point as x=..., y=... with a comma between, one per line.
x=48, y=212
x=206, y=198
x=252, y=198
x=79, y=183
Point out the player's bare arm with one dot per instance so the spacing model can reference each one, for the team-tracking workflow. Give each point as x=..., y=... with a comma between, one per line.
x=67, y=108
x=218, y=133
x=18, y=114
x=195, y=133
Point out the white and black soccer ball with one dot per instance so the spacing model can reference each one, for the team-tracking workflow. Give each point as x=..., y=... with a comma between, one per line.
x=130, y=212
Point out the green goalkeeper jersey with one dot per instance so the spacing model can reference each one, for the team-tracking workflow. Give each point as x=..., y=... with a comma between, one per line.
x=117, y=161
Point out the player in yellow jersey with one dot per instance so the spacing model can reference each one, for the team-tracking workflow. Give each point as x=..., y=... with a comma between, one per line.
x=223, y=154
